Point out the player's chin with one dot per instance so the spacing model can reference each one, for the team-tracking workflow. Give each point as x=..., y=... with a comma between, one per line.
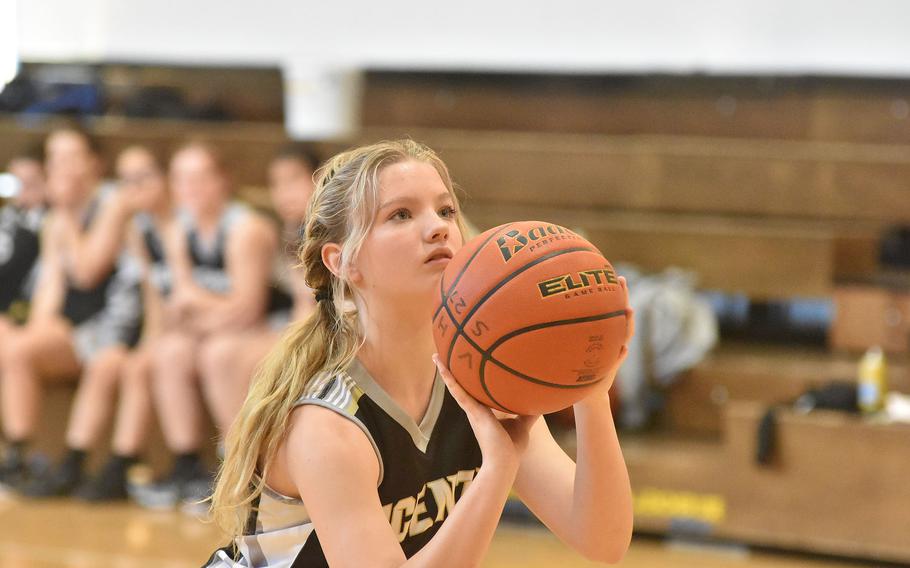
x=433, y=277
x=428, y=285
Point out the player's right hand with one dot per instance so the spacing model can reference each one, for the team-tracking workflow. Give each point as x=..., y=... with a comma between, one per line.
x=502, y=441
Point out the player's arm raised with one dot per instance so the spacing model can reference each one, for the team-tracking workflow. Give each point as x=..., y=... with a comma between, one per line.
x=50, y=287
x=587, y=503
x=89, y=256
x=336, y=477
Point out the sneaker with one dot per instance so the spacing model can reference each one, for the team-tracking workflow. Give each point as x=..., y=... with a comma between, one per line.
x=109, y=485
x=195, y=495
x=13, y=474
x=173, y=490
x=59, y=481
x=161, y=495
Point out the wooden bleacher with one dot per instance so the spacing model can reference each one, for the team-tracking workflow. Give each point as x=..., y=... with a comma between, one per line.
x=837, y=484
x=763, y=374
x=769, y=108
x=772, y=188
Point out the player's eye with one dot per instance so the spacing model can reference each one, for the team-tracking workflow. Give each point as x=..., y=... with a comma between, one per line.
x=400, y=215
x=448, y=212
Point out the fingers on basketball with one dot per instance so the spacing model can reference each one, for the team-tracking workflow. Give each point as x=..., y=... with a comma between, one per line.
x=464, y=400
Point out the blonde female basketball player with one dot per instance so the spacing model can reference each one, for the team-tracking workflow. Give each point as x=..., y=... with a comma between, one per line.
x=350, y=450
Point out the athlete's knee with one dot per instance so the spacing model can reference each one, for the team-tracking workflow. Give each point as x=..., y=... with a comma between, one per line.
x=109, y=360
x=171, y=350
x=6, y=327
x=137, y=371
x=219, y=355
x=104, y=370
x=18, y=348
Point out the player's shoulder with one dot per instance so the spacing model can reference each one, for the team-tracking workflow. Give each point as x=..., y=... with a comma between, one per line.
x=326, y=417
x=319, y=445
x=254, y=227
x=318, y=424
x=327, y=437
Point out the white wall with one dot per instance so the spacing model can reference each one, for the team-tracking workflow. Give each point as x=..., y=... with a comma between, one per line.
x=320, y=44
x=9, y=41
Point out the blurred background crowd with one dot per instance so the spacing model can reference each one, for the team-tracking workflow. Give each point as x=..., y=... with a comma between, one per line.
x=156, y=291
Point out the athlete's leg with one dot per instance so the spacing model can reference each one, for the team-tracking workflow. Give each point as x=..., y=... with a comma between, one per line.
x=134, y=412
x=179, y=408
x=6, y=327
x=95, y=397
x=39, y=352
x=227, y=364
x=91, y=410
x=175, y=391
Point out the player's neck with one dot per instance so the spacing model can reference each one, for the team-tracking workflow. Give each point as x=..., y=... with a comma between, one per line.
x=162, y=211
x=397, y=354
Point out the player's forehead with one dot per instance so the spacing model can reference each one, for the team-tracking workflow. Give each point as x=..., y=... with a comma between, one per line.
x=411, y=180
x=24, y=165
x=66, y=142
x=287, y=164
x=134, y=158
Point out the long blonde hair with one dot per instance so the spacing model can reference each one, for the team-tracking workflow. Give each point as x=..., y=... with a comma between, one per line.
x=341, y=211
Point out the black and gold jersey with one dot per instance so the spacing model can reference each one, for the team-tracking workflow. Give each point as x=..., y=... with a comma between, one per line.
x=424, y=469
x=159, y=273
x=82, y=304
x=208, y=258
x=19, y=248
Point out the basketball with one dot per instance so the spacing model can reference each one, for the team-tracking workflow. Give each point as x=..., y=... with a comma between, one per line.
x=530, y=318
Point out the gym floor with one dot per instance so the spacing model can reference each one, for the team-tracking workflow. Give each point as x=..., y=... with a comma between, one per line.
x=69, y=534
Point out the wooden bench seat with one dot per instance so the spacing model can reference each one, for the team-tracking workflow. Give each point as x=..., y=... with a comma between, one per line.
x=766, y=375
x=837, y=484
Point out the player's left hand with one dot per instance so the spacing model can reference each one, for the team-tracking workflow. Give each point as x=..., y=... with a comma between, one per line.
x=610, y=377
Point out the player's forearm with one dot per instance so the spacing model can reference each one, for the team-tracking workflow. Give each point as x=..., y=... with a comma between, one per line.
x=50, y=291
x=465, y=536
x=89, y=259
x=91, y=256
x=602, y=499
x=88, y=271
x=44, y=306
x=231, y=313
x=153, y=314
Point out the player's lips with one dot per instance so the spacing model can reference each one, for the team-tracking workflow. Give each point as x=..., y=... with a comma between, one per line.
x=440, y=255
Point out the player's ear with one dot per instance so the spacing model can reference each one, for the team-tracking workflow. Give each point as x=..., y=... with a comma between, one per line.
x=331, y=258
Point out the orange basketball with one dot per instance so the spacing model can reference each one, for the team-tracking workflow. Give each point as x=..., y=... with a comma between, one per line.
x=531, y=317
